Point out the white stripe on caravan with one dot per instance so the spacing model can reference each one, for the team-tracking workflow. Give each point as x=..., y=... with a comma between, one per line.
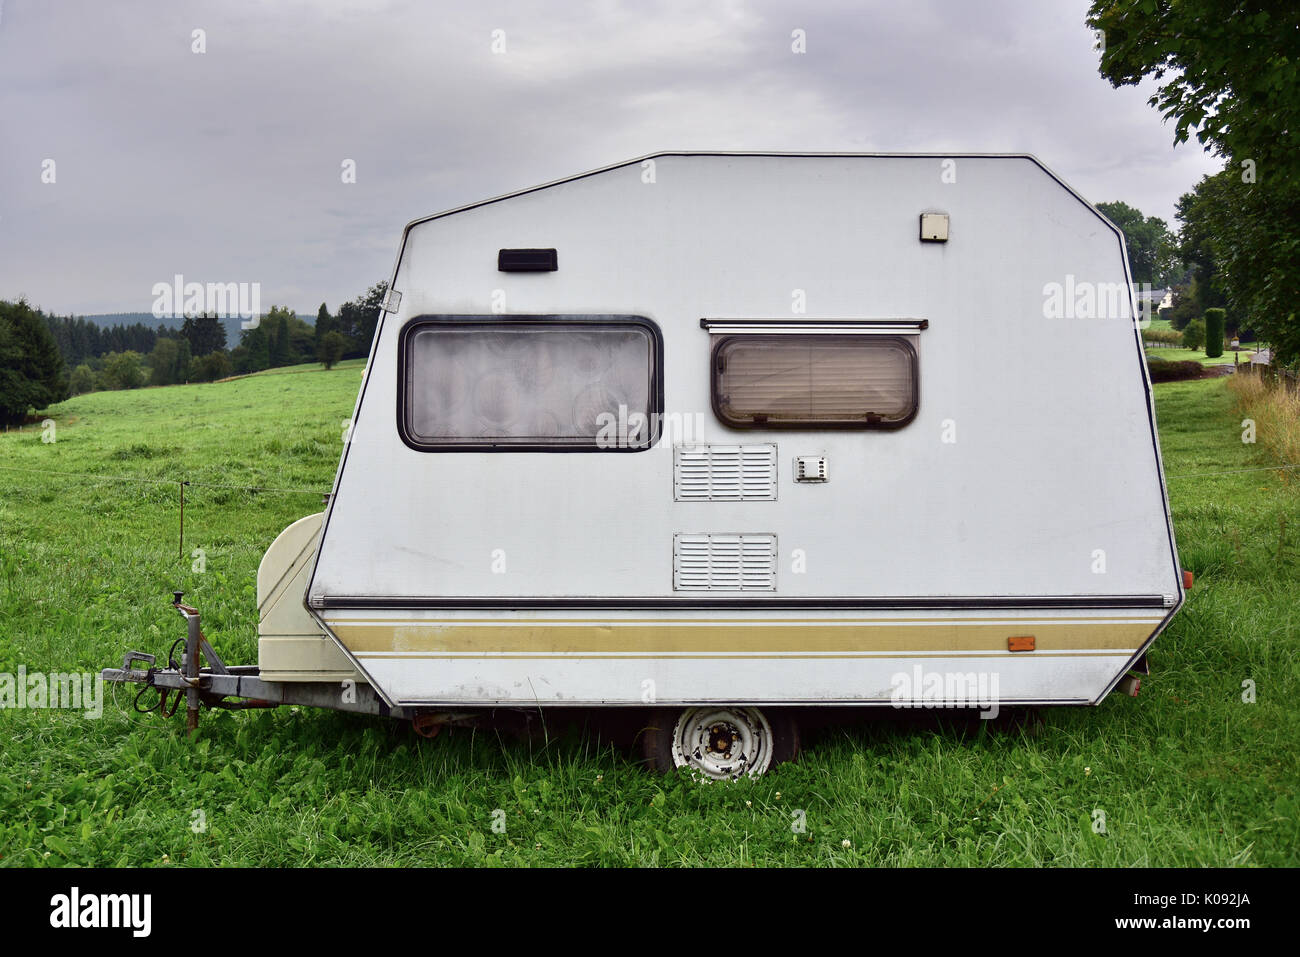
x=766, y=622
x=650, y=656
x=597, y=681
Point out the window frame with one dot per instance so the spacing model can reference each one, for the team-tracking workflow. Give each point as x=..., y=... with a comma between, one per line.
x=723, y=332
x=420, y=323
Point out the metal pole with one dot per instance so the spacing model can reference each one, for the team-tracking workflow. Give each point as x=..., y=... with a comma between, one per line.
x=192, y=669
x=180, y=552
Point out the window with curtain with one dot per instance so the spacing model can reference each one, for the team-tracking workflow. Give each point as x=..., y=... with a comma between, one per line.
x=815, y=381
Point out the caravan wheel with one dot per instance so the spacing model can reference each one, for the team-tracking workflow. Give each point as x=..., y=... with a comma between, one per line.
x=719, y=743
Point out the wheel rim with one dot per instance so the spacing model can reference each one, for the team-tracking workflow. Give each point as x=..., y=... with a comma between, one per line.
x=723, y=743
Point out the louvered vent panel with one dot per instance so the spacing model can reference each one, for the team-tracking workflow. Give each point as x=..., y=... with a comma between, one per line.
x=724, y=473
x=724, y=562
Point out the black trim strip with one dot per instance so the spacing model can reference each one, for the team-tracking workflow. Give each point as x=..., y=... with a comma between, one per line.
x=727, y=325
x=634, y=604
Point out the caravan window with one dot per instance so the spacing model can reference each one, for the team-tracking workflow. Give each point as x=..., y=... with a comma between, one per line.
x=530, y=383
x=814, y=381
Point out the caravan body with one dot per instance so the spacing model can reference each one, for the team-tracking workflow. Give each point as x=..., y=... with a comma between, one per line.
x=755, y=430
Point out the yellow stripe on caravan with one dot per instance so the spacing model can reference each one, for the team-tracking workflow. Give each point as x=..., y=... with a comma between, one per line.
x=612, y=636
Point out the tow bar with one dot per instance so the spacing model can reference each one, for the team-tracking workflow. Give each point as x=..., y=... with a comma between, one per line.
x=212, y=685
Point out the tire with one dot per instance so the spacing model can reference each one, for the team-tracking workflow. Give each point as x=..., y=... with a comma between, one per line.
x=719, y=742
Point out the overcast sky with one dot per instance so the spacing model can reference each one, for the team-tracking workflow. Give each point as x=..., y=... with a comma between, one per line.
x=226, y=165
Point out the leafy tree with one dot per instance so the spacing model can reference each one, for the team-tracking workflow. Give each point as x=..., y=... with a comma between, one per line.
x=258, y=346
x=32, y=372
x=356, y=320
x=162, y=362
x=83, y=380
x=1197, y=242
x=1248, y=234
x=183, y=358
x=1150, y=244
x=122, y=370
x=302, y=339
x=1227, y=75
x=1194, y=334
x=332, y=347
x=213, y=366
x=1184, y=309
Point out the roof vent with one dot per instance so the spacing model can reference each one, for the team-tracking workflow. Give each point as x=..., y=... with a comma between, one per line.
x=527, y=260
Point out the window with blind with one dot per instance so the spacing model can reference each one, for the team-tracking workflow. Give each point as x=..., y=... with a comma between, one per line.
x=545, y=383
x=825, y=381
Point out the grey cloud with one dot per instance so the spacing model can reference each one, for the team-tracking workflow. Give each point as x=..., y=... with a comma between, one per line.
x=226, y=166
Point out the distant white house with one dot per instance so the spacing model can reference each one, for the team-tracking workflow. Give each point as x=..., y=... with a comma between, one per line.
x=1151, y=301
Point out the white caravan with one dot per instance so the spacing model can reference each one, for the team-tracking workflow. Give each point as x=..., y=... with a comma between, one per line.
x=719, y=436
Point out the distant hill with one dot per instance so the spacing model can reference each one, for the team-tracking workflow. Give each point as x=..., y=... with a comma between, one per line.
x=232, y=326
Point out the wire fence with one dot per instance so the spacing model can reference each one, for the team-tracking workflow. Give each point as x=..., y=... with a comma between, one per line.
x=93, y=476
x=183, y=484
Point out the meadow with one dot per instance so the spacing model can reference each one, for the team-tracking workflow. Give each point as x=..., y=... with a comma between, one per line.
x=1187, y=774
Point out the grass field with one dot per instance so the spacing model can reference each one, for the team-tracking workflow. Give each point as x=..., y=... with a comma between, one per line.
x=1196, y=355
x=1180, y=354
x=1186, y=774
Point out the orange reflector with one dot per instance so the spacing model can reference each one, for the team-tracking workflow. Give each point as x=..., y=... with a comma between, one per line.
x=1021, y=643
x=1187, y=578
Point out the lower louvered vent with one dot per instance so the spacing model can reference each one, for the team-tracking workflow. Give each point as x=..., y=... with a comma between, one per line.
x=724, y=562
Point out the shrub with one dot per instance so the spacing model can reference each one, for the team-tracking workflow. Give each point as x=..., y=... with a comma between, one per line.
x=1164, y=371
x=331, y=349
x=122, y=370
x=83, y=380
x=215, y=365
x=1215, y=321
x=1194, y=334
x=1166, y=337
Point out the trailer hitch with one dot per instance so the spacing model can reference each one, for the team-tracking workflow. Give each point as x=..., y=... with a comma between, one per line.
x=216, y=684
x=195, y=645
x=186, y=678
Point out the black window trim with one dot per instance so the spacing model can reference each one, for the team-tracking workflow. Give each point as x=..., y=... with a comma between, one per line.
x=656, y=392
x=854, y=329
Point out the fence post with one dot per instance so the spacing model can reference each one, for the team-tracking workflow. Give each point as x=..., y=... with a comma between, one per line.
x=180, y=553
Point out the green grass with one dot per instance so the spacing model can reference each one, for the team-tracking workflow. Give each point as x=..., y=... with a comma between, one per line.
x=1197, y=355
x=1186, y=774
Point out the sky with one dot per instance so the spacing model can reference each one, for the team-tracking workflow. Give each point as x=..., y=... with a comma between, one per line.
x=229, y=164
